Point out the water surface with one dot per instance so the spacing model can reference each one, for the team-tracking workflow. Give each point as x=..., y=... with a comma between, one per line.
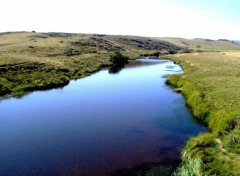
x=96, y=125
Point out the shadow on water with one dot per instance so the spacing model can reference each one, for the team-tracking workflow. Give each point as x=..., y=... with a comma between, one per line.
x=46, y=88
x=115, y=69
x=143, y=62
x=148, y=169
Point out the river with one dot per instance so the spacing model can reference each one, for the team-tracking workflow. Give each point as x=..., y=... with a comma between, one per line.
x=98, y=125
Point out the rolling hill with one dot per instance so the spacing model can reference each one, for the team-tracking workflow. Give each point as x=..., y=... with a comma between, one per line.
x=204, y=44
x=52, y=59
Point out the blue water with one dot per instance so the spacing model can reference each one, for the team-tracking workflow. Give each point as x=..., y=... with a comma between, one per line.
x=96, y=125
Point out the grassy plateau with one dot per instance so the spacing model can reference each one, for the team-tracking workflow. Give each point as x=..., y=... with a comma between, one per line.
x=35, y=61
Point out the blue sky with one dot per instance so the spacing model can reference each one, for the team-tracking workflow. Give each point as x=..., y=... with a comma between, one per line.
x=212, y=19
x=225, y=10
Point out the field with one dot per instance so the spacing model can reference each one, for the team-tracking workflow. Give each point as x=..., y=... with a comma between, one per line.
x=210, y=85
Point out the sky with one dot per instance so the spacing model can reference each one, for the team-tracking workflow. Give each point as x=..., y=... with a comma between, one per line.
x=213, y=19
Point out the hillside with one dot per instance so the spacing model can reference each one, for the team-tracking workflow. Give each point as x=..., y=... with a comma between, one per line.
x=237, y=41
x=204, y=44
x=66, y=56
x=52, y=59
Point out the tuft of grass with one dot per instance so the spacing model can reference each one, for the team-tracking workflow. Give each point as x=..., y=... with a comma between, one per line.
x=191, y=167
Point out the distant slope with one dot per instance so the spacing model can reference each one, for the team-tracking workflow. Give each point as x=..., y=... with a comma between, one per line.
x=145, y=43
x=204, y=44
x=54, y=48
x=113, y=42
x=237, y=41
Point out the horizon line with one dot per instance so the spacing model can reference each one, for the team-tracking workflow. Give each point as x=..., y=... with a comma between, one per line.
x=34, y=31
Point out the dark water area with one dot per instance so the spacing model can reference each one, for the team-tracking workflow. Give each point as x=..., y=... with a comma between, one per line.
x=104, y=124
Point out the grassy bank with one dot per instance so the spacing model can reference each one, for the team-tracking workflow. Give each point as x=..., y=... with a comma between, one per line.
x=18, y=79
x=210, y=85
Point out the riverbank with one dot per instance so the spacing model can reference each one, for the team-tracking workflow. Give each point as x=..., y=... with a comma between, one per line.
x=18, y=80
x=210, y=84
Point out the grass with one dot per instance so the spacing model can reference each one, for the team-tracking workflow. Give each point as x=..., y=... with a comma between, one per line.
x=191, y=167
x=20, y=79
x=210, y=85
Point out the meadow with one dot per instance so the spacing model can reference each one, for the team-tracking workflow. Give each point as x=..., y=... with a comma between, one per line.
x=210, y=85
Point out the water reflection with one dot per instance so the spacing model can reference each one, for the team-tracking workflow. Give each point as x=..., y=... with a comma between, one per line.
x=115, y=69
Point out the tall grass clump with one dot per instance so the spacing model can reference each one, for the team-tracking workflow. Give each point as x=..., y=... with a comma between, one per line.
x=191, y=167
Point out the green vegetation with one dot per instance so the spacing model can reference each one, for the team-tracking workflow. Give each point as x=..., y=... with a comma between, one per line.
x=190, y=167
x=117, y=59
x=19, y=79
x=210, y=85
x=155, y=54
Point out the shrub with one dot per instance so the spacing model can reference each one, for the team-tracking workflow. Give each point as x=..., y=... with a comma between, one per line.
x=155, y=54
x=172, y=52
x=117, y=59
